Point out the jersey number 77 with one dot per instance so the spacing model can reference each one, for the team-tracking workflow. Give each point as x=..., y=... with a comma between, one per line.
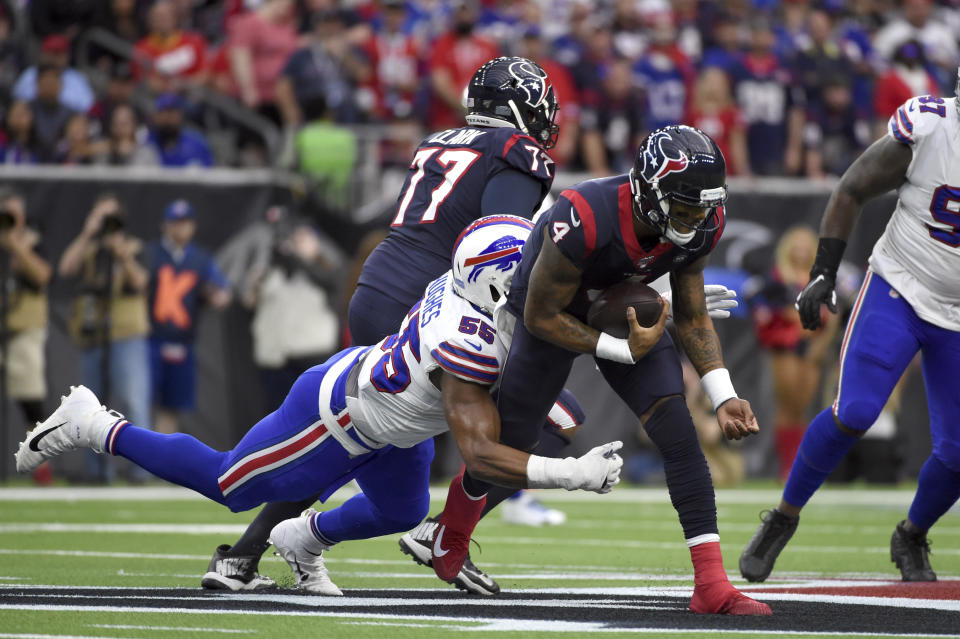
x=453, y=164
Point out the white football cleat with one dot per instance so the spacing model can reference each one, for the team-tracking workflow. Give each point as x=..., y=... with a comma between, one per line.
x=303, y=552
x=79, y=422
x=526, y=510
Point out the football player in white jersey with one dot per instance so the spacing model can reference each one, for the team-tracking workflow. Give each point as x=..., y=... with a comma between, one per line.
x=909, y=302
x=360, y=415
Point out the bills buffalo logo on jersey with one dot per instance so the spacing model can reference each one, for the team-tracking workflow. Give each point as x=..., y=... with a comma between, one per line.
x=659, y=162
x=501, y=255
x=531, y=80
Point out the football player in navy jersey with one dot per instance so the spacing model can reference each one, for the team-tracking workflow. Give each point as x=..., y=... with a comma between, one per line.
x=497, y=164
x=665, y=216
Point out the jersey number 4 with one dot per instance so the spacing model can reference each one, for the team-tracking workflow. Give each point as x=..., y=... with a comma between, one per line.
x=453, y=162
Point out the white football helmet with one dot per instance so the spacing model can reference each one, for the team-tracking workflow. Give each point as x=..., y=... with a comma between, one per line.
x=486, y=256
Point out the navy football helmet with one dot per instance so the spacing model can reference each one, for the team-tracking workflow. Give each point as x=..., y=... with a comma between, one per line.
x=677, y=164
x=515, y=92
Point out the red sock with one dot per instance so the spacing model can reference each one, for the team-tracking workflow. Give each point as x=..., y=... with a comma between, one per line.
x=461, y=512
x=712, y=591
x=787, y=438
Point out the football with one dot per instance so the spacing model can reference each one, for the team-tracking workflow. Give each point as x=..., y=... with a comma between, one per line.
x=608, y=313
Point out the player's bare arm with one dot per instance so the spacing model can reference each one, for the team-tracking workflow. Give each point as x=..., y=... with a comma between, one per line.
x=475, y=424
x=694, y=326
x=882, y=167
x=695, y=330
x=554, y=281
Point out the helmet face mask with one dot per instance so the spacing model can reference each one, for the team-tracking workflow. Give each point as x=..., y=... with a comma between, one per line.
x=514, y=92
x=485, y=258
x=682, y=165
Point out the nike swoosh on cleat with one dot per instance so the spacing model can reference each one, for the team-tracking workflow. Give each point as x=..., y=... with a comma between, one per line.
x=438, y=550
x=36, y=440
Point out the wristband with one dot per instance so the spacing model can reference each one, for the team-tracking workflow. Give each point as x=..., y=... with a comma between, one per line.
x=829, y=253
x=718, y=386
x=614, y=348
x=547, y=472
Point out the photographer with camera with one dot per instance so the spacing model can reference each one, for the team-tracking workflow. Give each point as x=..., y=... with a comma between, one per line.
x=24, y=275
x=109, y=320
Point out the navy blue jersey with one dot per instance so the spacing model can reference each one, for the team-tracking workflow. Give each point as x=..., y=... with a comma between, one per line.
x=441, y=195
x=592, y=225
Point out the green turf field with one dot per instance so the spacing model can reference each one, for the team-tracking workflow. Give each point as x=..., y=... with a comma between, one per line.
x=154, y=537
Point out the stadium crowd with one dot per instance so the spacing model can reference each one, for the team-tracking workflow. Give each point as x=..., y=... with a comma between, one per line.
x=791, y=87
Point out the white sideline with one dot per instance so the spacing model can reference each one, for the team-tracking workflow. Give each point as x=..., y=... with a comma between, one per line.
x=767, y=497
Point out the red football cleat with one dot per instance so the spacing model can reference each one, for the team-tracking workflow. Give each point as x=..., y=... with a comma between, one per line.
x=722, y=598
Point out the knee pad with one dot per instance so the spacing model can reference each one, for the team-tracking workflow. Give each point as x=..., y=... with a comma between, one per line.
x=860, y=413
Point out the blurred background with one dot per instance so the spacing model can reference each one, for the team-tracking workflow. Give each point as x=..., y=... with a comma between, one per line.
x=189, y=189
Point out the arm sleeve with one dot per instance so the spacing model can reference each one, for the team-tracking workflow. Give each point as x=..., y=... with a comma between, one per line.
x=511, y=192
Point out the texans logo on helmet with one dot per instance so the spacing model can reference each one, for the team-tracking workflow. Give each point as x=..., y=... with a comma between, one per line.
x=657, y=162
x=502, y=255
x=531, y=80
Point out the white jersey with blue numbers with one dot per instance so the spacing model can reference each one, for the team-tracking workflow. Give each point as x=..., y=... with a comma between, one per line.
x=397, y=403
x=919, y=252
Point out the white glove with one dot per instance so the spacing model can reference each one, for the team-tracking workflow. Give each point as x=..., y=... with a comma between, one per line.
x=719, y=299
x=598, y=470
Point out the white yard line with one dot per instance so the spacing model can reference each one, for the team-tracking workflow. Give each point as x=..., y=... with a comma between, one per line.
x=827, y=496
x=171, y=628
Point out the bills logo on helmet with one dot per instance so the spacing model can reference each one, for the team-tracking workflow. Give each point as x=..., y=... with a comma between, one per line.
x=502, y=255
x=658, y=162
x=531, y=80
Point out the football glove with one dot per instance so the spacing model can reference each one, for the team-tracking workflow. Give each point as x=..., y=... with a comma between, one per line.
x=720, y=300
x=822, y=288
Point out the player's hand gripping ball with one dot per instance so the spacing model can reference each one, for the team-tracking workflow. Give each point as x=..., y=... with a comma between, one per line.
x=608, y=312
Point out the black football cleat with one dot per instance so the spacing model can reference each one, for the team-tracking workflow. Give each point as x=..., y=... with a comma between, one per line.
x=910, y=551
x=230, y=572
x=757, y=559
x=418, y=543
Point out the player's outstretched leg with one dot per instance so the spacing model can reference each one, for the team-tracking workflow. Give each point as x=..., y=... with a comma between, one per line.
x=232, y=571
x=296, y=543
x=451, y=539
x=761, y=552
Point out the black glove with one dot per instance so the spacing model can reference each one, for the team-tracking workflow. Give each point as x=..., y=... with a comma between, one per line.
x=823, y=282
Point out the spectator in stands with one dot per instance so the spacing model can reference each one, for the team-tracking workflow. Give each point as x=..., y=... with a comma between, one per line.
x=819, y=56
x=24, y=275
x=456, y=55
x=918, y=22
x=326, y=153
x=630, y=38
x=177, y=144
x=110, y=316
x=612, y=122
x=534, y=47
x=772, y=109
x=19, y=138
x=118, y=92
x=169, y=58
x=907, y=77
x=182, y=277
x=122, y=19
x=259, y=43
x=295, y=323
x=796, y=355
x=835, y=133
x=396, y=59
x=56, y=17
x=716, y=114
x=78, y=145
x=726, y=43
x=12, y=52
x=595, y=55
x=75, y=91
x=50, y=116
x=126, y=140
x=665, y=73
x=329, y=67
